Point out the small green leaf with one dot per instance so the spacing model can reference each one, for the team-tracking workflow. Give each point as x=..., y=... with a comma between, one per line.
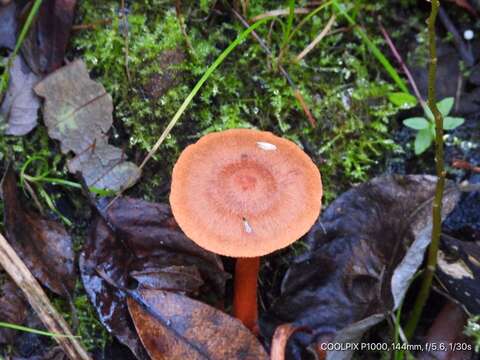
x=450, y=123
x=417, y=123
x=423, y=140
x=445, y=106
x=428, y=113
x=402, y=100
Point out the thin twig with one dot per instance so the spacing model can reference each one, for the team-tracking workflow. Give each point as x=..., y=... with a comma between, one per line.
x=296, y=92
x=319, y=38
x=37, y=298
x=278, y=12
x=91, y=26
x=126, y=33
x=181, y=23
x=404, y=67
x=426, y=285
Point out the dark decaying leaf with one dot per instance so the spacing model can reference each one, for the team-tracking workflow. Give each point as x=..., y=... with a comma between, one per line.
x=177, y=327
x=357, y=266
x=44, y=47
x=18, y=111
x=141, y=241
x=78, y=113
x=8, y=26
x=459, y=271
x=43, y=245
x=13, y=309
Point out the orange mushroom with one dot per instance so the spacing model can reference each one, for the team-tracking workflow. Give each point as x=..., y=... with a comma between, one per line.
x=245, y=193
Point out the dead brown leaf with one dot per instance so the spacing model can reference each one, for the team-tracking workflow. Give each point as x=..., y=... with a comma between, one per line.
x=43, y=245
x=78, y=113
x=183, y=328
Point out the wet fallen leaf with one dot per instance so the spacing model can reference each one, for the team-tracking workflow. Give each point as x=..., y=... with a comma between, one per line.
x=44, y=47
x=141, y=241
x=43, y=245
x=459, y=271
x=78, y=113
x=20, y=104
x=357, y=266
x=177, y=327
x=13, y=309
x=8, y=26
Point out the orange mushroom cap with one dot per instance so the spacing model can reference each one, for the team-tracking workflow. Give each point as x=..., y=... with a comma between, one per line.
x=245, y=193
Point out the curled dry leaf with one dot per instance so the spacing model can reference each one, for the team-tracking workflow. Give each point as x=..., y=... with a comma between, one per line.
x=44, y=47
x=140, y=241
x=173, y=326
x=43, y=245
x=20, y=104
x=362, y=253
x=78, y=113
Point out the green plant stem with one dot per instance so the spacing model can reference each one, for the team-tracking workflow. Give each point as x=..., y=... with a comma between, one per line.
x=373, y=48
x=424, y=292
x=23, y=33
x=32, y=331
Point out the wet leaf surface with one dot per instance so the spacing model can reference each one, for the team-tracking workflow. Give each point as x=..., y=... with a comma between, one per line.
x=20, y=105
x=13, y=309
x=356, y=261
x=8, y=26
x=459, y=271
x=177, y=327
x=78, y=113
x=44, y=47
x=44, y=245
x=138, y=244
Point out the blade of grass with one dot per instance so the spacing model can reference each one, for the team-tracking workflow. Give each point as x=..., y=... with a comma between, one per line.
x=291, y=15
x=23, y=33
x=33, y=331
x=373, y=48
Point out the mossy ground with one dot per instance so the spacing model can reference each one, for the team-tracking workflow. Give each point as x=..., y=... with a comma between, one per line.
x=342, y=83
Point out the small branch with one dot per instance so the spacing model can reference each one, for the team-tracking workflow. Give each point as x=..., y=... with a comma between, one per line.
x=91, y=26
x=181, y=23
x=278, y=12
x=35, y=295
x=319, y=38
x=404, y=67
x=424, y=292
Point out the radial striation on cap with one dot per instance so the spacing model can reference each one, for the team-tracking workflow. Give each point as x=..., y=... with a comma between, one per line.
x=245, y=193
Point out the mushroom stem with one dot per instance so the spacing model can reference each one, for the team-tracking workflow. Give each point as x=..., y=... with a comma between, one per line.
x=245, y=292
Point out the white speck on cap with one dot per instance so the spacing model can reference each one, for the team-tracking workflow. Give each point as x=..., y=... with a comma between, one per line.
x=266, y=146
x=468, y=34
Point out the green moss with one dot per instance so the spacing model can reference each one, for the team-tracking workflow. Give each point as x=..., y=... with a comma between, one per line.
x=340, y=81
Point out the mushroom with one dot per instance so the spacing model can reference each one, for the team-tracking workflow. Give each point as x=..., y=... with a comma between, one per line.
x=245, y=193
